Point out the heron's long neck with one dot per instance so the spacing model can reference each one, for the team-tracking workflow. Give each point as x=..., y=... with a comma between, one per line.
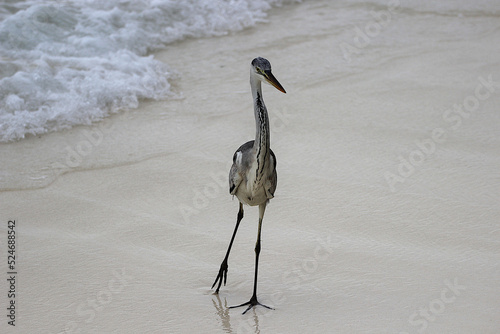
x=262, y=140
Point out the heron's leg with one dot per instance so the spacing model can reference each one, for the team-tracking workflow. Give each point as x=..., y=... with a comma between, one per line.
x=253, y=301
x=223, y=267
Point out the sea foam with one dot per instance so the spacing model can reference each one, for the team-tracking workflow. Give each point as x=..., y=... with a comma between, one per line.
x=64, y=63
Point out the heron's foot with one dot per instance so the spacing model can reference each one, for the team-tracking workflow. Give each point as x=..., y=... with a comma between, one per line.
x=222, y=276
x=251, y=303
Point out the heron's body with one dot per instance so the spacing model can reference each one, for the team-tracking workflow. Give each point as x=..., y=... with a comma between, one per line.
x=253, y=178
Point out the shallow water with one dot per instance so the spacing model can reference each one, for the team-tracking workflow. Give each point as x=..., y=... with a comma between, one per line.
x=76, y=62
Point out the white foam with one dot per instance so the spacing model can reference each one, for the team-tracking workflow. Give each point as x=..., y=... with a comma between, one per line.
x=75, y=62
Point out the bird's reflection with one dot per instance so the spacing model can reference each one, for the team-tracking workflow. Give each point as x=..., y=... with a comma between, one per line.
x=222, y=312
x=247, y=324
x=256, y=321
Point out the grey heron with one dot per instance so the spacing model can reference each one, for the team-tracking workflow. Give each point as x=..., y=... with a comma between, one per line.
x=252, y=178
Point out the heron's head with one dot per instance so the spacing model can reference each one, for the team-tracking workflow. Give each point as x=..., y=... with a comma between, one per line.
x=261, y=69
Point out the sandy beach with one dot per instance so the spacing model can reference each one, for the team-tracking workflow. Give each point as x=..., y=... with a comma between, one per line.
x=386, y=214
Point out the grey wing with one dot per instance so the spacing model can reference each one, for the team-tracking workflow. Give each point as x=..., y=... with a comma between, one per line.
x=238, y=167
x=234, y=179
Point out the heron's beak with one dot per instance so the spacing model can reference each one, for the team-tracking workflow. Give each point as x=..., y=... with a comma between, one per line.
x=273, y=81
